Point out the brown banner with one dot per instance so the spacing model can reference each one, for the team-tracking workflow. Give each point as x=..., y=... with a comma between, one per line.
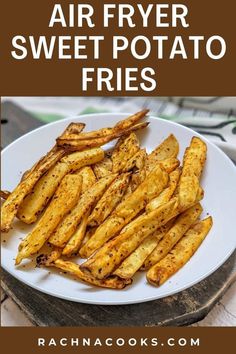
x=118, y=340
x=178, y=76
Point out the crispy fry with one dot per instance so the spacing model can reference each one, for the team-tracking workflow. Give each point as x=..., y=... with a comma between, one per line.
x=88, y=178
x=167, y=193
x=104, y=132
x=124, y=151
x=182, y=224
x=103, y=168
x=169, y=165
x=109, y=257
x=180, y=254
x=75, y=241
x=137, y=161
x=112, y=282
x=64, y=199
x=109, y=200
x=194, y=160
x=44, y=189
x=12, y=204
x=69, y=225
x=136, y=179
x=152, y=186
x=48, y=259
x=77, y=145
x=167, y=149
x=132, y=120
x=73, y=127
x=137, y=165
x=5, y=194
x=83, y=158
x=36, y=201
x=135, y=260
x=89, y=232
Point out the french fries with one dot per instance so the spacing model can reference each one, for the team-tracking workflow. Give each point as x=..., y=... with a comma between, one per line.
x=109, y=200
x=152, y=186
x=35, y=202
x=88, y=178
x=13, y=202
x=194, y=160
x=64, y=199
x=103, y=168
x=77, y=145
x=124, y=151
x=134, y=261
x=169, y=148
x=104, y=132
x=167, y=193
x=69, y=224
x=112, y=282
x=180, y=254
x=75, y=241
x=105, y=260
x=182, y=224
x=137, y=161
x=122, y=210
x=48, y=259
x=72, y=128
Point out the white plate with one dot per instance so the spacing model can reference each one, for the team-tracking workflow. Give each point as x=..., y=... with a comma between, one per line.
x=218, y=181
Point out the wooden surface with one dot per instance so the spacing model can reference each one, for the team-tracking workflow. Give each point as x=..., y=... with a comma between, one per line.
x=183, y=308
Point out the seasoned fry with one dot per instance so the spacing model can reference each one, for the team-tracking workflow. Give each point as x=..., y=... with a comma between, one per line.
x=5, y=194
x=137, y=161
x=103, y=168
x=63, y=200
x=107, y=258
x=169, y=165
x=83, y=158
x=136, y=179
x=137, y=165
x=44, y=189
x=69, y=225
x=77, y=145
x=73, y=127
x=75, y=241
x=180, y=254
x=109, y=200
x=89, y=232
x=167, y=193
x=135, y=260
x=104, y=132
x=112, y=282
x=12, y=204
x=124, y=151
x=48, y=259
x=194, y=160
x=88, y=178
x=182, y=224
x=167, y=149
x=36, y=201
x=152, y=186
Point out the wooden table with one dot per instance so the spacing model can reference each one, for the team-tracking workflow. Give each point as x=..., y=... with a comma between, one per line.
x=184, y=308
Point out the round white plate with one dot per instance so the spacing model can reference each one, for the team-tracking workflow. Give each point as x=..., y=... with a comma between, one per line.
x=218, y=181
